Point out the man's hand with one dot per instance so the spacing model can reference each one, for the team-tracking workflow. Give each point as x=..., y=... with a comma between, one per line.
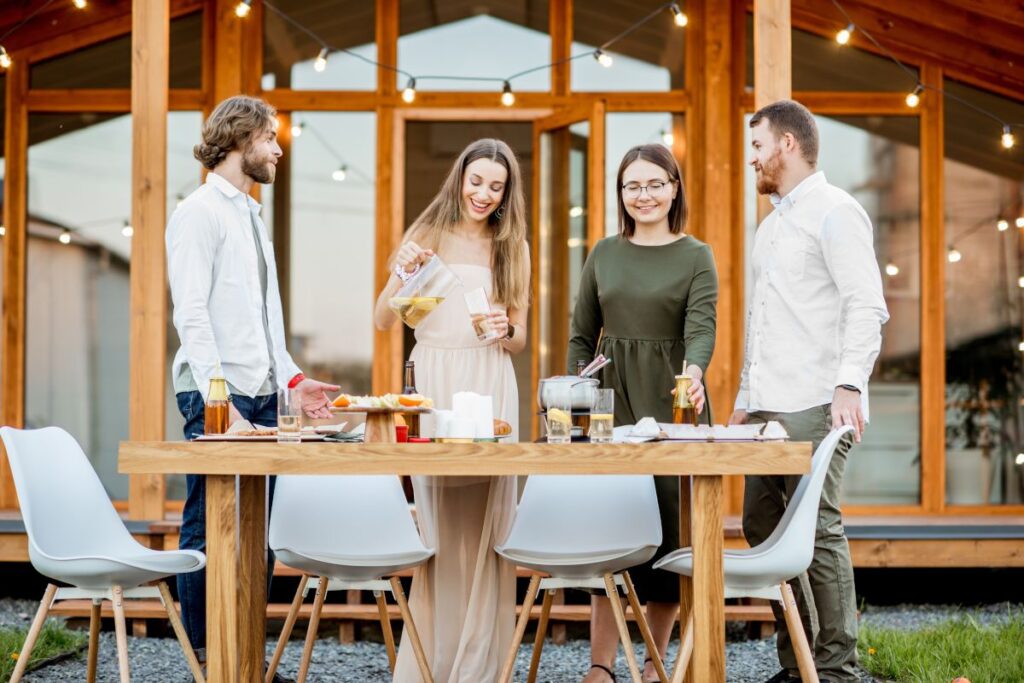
x=846, y=411
x=738, y=417
x=312, y=397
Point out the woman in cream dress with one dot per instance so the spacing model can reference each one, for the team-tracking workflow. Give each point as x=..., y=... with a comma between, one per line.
x=463, y=600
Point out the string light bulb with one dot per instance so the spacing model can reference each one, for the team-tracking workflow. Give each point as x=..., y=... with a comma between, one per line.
x=576, y=212
x=127, y=230
x=603, y=58
x=1008, y=140
x=1019, y=222
x=340, y=174
x=3, y=231
x=1002, y=225
x=321, y=61
x=667, y=137
x=297, y=129
x=5, y=59
x=409, y=94
x=914, y=98
x=1020, y=459
x=843, y=37
x=954, y=255
x=678, y=15
x=65, y=237
x=891, y=269
x=243, y=8
x=508, y=98
x=80, y=4
x=1020, y=282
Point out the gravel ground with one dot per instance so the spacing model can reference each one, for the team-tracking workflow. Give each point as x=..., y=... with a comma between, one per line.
x=159, y=660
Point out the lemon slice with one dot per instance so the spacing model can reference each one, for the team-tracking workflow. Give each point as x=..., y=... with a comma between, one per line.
x=560, y=416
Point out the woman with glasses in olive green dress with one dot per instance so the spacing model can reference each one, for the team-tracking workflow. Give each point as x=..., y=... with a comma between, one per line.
x=648, y=294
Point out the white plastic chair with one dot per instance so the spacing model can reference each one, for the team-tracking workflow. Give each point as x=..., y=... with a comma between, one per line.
x=764, y=570
x=585, y=531
x=76, y=537
x=349, y=532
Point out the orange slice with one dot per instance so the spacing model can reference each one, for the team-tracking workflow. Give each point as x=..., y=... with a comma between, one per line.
x=342, y=401
x=411, y=400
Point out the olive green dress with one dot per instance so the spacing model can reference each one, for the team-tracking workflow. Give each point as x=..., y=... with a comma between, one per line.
x=651, y=307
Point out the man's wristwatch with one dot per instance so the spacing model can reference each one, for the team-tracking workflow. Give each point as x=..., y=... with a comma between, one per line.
x=849, y=387
x=511, y=332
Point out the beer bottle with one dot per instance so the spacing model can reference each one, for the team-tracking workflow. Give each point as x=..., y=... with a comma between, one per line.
x=216, y=415
x=683, y=410
x=409, y=387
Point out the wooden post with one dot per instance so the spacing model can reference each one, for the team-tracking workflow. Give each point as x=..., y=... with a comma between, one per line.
x=148, y=375
x=283, y=215
x=227, y=49
x=595, y=177
x=560, y=28
x=15, y=243
x=933, y=299
x=387, y=344
x=773, y=61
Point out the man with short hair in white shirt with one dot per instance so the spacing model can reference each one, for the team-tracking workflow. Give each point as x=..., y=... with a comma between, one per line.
x=813, y=334
x=227, y=308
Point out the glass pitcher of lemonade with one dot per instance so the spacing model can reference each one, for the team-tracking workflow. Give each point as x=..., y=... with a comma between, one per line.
x=424, y=291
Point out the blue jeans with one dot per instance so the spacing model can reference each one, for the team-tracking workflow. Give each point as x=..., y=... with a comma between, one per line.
x=261, y=410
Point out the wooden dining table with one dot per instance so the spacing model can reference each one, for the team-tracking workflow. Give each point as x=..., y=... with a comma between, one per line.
x=236, y=526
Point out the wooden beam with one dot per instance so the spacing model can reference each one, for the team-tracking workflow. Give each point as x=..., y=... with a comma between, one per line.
x=933, y=296
x=105, y=100
x=955, y=552
x=387, y=46
x=773, y=62
x=283, y=215
x=387, y=344
x=15, y=220
x=841, y=103
x=1009, y=12
x=595, y=178
x=227, y=50
x=148, y=343
x=560, y=29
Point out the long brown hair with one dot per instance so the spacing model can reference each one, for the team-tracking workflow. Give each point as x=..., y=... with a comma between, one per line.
x=659, y=155
x=507, y=223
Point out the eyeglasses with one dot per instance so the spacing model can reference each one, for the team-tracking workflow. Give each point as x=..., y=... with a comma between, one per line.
x=634, y=190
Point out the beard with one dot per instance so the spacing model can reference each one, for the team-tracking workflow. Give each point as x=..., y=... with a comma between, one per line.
x=260, y=170
x=769, y=174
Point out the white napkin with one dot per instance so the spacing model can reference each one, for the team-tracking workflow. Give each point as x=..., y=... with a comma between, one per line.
x=774, y=430
x=646, y=427
x=442, y=423
x=479, y=409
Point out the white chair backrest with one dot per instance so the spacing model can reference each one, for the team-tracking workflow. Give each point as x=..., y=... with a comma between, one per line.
x=567, y=514
x=66, y=510
x=347, y=515
x=794, y=534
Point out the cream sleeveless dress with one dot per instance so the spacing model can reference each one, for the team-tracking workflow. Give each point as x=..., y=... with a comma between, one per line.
x=463, y=599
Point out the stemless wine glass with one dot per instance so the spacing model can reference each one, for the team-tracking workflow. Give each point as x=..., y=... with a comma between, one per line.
x=602, y=416
x=289, y=417
x=479, y=307
x=559, y=414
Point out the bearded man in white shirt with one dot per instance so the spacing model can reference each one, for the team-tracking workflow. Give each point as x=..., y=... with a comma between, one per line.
x=813, y=334
x=227, y=308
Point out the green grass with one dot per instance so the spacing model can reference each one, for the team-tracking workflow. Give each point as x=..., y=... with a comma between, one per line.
x=55, y=639
x=960, y=647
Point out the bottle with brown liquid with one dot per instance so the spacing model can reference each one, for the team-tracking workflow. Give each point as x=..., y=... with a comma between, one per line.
x=683, y=410
x=217, y=407
x=409, y=387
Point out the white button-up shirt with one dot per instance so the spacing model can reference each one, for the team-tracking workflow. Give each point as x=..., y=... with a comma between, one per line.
x=817, y=308
x=218, y=301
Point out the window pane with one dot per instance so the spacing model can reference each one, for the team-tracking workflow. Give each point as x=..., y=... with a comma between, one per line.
x=877, y=160
x=78, y=314
x=624, y=131
x=503, y=39
x=653, y=57
x=821, y=63
x=332, y=247
x=109, y=64
x=290, y=53
x=984, y=299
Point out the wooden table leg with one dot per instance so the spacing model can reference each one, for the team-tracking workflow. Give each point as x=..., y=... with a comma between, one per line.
x=252, y=587
x=685, y=582
x=222, y=580
x=708, y=581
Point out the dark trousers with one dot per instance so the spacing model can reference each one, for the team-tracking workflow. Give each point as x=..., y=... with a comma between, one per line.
x=261, y=410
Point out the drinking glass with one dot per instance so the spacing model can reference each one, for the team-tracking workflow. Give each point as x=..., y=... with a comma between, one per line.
x=559, y=414
x=602, y=416
x=289, y=417
x=479, y=307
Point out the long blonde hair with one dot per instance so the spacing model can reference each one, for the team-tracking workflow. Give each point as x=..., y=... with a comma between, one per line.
x=507, y=223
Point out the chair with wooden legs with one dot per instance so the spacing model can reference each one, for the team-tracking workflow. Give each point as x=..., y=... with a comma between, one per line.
x=349, y=532
x=765, y=570
x=584, y=531
x=76, y=537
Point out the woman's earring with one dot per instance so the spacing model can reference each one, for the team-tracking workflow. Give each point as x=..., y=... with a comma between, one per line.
x=500, y=212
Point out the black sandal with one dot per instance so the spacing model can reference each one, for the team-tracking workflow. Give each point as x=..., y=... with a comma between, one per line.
x=605, y=669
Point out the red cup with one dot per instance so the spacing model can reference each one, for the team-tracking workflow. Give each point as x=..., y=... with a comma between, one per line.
x=418, y=439
x=402, y=433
